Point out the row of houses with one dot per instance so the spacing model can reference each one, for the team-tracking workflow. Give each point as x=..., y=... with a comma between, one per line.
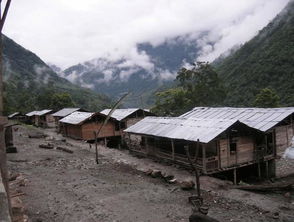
x=79, y=124
x=218, y=139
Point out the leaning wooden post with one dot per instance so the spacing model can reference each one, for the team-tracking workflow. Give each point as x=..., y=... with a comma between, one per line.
x=3, y=120
x=194, y=168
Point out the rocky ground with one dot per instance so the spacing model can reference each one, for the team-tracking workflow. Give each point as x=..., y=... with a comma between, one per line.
x=58, y=186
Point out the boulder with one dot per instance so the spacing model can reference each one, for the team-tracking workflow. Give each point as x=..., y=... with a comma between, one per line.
x=156, y=173
x=187, y=185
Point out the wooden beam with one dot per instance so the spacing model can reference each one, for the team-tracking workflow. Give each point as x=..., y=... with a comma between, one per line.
x=235, y=176
x=204, y=157
x=173, y=149
x=259, y=170
x=266, y=169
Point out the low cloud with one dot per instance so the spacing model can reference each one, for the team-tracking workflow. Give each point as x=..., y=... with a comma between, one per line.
x=67, y=32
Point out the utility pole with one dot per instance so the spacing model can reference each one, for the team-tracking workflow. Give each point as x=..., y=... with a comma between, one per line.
x=3, y=120
x=2, y=21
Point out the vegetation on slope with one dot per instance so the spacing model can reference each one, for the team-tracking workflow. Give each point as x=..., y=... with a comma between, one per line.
x=266, y=61
x=29, y=84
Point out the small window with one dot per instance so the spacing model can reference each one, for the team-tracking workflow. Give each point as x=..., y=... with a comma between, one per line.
x=233, y=146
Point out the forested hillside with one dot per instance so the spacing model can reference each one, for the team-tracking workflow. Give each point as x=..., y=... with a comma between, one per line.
x=267, y=61
x=30, y=84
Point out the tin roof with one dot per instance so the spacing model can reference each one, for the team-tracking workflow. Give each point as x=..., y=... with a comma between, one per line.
x=120, y=114
x=181, y=128
x=259, y=118
x=43, y=112
x=65, y=112
x=32, y=113
x=13, y=114
x=76, y=118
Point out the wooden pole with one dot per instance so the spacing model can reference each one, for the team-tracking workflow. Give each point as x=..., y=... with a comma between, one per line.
x=96, y=148
x=266, y=169
x=204, y=158
x=3, y=121
x=235, y=176
x=259, y=170
x=194, y=167
x=173, y=150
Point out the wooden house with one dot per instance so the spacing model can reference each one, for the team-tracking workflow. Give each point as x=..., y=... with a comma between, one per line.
x=63, y=113
x=82, y=125
x=44, y=118
x=30, y=117
x=276, y=123
x=18, y=116
x=216, y=145
x=128, y=117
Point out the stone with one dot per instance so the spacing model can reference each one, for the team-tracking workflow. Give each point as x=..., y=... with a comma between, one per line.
x=187, y=185
x=156, y=173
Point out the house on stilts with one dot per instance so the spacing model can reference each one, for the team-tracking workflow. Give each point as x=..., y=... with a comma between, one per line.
x=219, y=139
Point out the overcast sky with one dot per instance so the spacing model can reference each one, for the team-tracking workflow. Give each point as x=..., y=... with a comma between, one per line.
x=67, y=32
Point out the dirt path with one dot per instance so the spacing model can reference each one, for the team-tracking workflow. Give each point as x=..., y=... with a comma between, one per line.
x=71, y=187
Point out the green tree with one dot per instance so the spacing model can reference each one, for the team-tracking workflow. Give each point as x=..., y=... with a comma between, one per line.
x=199, y=86
x=266, y=98
x=61, y=100
x=171, y=102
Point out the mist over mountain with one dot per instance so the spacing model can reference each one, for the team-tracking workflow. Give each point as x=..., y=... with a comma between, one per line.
x=142, y=78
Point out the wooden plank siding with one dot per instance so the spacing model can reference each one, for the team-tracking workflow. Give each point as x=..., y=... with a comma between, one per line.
x=284, y=136
x=73, y=131
x=107, y=131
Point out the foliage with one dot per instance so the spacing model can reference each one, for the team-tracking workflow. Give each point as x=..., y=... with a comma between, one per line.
x=29, y=84
x=199, y=86
x=266, y=61
x=266, y=98
x=61, y=100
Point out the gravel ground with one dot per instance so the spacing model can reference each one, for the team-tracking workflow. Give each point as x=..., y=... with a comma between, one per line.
x=72, y=187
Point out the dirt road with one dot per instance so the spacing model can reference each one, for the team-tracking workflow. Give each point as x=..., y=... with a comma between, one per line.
x=71, y=187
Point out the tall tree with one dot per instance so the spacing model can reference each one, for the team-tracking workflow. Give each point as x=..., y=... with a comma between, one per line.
x=198, y=86
x=266, y=98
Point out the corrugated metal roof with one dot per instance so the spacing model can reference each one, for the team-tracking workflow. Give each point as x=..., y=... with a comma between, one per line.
x=120, y=114
x=32, y=113
x=259, y=118
x=43, y=112
x=181, y=128
x=76, y=118
x=13, y=114
x=65, y=112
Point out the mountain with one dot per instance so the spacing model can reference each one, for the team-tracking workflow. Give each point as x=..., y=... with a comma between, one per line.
x=29, y=83
x=143, y=79
x=266, y=61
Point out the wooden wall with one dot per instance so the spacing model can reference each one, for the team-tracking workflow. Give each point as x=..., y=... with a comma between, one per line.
x=284, y=136
x=107, y=131
x=50, y=120
x=132, y=121
x=73, y=131
x=243, y=154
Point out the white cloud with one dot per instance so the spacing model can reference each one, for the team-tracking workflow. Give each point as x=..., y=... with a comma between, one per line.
x=66, y=32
